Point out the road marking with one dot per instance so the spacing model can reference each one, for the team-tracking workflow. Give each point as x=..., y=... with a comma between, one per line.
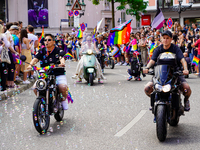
x=132, y=123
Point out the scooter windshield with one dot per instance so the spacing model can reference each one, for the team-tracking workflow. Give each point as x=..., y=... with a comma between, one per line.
x=163, y=74
x=87, y=43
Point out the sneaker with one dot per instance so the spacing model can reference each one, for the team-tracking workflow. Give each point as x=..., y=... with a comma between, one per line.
x=74, y=77
x=26, y=82
x=130, y=78
x=118, y=64
x=99, y=81
x=65, y=105
x=187, y=106
x=139, y=79
x=18, y=79
x=125, y=64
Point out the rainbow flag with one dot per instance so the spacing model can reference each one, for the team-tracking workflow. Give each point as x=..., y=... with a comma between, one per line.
x=69, y=97
x=94, y=33
x=79, y=33
x=41, y=36
x=68, y=55
x=18, y=61
x=195, y=61
x=120, y=35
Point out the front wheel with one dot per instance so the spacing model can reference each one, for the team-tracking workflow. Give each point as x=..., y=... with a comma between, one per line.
x=41, y=118
x=112, y=64
x=91, y=79
x=161, y=122
x=60, y=113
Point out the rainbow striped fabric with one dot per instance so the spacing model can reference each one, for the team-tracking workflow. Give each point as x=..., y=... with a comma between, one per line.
x=79, y=33
x=18, y=61
x=120, y=35
x=68, y=55
x=195, y=61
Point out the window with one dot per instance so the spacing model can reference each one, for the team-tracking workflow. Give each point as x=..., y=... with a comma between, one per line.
x=107, y=5
x=190, y=21
x=162, y=4
x=196, y=1
x=123, y=17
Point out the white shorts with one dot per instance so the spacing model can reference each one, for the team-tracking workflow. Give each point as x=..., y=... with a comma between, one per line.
x=61, y=79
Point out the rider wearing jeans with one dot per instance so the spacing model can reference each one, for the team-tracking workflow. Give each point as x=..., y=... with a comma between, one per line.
x=168, y=47
x=50, y=55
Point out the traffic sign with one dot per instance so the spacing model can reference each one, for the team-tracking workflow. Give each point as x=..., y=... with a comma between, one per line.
x=76, y=12
x=76, y=6
x=82, y=27
x=169, y=23
x=70, y=13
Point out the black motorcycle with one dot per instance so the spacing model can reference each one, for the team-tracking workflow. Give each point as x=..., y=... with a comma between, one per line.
x=48, y=101
x=109, y=60
x=166, y=97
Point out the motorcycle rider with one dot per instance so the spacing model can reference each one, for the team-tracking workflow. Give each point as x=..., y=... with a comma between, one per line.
x=79, y=69
x=101, y=45
x=50, y=55
x=167, y=46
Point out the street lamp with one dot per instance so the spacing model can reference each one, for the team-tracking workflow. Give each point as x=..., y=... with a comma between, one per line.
x=180, y=7
x=68, y=6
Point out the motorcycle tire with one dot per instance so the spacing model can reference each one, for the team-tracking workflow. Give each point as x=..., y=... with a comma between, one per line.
x=112, y=64
x=91, y=79
x=41, y=120
x=161, y=122
x=60, y=113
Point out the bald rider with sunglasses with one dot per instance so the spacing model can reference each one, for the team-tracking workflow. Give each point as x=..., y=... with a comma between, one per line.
x=50, y=55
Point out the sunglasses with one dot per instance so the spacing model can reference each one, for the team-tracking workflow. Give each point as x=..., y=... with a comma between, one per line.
x=48, y=40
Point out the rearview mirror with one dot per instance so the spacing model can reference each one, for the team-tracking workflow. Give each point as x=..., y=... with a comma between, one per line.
x=23, y=58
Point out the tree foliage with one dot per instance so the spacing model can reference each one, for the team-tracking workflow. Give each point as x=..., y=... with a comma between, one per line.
x=132, y=7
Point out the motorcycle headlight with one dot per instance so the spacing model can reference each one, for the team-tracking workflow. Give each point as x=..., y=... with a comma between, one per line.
x=41, y=84
x=166, y=88
x=158, y=87
x=89, y=51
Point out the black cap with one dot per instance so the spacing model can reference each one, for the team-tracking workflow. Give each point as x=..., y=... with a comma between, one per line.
x=167, y=32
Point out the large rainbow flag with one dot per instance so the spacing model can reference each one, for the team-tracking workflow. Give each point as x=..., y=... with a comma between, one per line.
x=79, y=33
x=195, y=61
x=120, y=35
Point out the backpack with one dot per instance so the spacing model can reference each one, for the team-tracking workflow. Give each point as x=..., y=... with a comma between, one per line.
x=135, y=67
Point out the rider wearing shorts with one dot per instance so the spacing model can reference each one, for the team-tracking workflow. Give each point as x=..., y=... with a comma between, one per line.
x=49, y=55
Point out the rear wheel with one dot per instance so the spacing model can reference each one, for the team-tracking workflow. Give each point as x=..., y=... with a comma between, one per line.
x=41, y=118
x=91, y=79
x=60, y=113
x=161, y=122
x=112, y=64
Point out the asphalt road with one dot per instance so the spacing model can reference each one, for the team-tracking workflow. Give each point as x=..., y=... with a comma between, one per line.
x=109, y=116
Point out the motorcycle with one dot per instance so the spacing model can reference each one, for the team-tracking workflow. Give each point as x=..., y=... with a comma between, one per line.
x=166, y=97
x=109, y=60
x=89, y=63
x=48, y=101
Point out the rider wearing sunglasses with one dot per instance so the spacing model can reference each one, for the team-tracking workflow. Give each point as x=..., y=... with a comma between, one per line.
x=50, y=55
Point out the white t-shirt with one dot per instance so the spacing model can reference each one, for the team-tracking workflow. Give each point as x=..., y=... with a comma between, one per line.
x=34, y=38
x=8, y=35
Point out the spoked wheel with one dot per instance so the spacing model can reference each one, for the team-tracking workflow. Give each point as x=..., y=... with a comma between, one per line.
x=112, y=64
x=91, y=79
x=161, y=122
x=41, y=119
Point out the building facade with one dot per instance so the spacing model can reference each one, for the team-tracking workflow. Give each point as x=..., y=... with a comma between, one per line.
x=186, y=18
x=18, y=11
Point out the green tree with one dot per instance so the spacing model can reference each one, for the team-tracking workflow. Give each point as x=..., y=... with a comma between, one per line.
x=132, y=7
